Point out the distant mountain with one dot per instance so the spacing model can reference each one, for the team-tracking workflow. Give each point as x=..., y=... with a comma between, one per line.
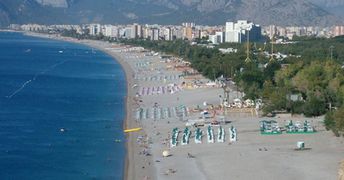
x=28, y=11
x=335, y=7
x=279, y=12
x=54, y=3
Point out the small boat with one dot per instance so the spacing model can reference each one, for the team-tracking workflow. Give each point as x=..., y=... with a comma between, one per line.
x=132, y=130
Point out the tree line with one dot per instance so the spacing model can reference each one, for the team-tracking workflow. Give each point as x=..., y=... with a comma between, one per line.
x=309, y=81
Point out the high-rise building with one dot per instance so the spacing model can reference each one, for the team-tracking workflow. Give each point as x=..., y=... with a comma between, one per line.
x=145, y=32
x=111, y=31
x=241, y=30
x=167, y=34
x=139, y=31
x=178, y=33
x=338, y=31
x=232, y=34
x=204, y=34
x=156, y=33
x=153, y=34
x=95, y=29
x=217, y=38
x=272, y=31
x=128, y=33
x=282, y=31
x=187, y=33
x=189, y=24
x=188, y=29
x=134, y=29
x=220, y=37
x=197, y=34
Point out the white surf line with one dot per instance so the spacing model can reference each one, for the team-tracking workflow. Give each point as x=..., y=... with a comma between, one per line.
x=34, y=78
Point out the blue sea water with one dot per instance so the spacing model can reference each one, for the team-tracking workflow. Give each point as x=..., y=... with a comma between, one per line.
x=48, y=85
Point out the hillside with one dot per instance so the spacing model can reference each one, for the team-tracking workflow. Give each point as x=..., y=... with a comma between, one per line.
x=279, y=12
x=334, y=6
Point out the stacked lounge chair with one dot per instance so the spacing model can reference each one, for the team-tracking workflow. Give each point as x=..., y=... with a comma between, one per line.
x=220, y=135
x=174, y=137
x=139, y=114
x=298, y=127
x=269, y=127
x=186, y=136
x=210, y=134
x=198, y=136
x=290, y=128
x=232, y=134
x=308, y=127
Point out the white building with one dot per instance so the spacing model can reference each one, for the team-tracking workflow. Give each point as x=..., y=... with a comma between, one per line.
x=217, y=38
x=213, y=39
x=167, y=33
x=239, y=32
x=145, y=32
x=228, y=50
x=232, y=34
x=155, y=34
x=136, y=31
x=95, y=29
x=128, y=32
x=139, y=31
x=133, y=31
x=111, y=31
x=177, y=32
x=220, y=37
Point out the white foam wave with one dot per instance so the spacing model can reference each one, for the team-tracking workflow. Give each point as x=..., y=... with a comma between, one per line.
x=26, y=83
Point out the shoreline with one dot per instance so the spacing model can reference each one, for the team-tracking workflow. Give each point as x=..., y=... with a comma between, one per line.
x=129, y=168
x=211, y=160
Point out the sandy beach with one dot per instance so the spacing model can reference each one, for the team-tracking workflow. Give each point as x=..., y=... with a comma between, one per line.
x=161, y=97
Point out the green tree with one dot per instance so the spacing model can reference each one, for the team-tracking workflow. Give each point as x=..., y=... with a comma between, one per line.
x=314, y=106
x=335, y=121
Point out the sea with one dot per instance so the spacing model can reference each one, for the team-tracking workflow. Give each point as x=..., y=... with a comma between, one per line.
x=62, y=107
